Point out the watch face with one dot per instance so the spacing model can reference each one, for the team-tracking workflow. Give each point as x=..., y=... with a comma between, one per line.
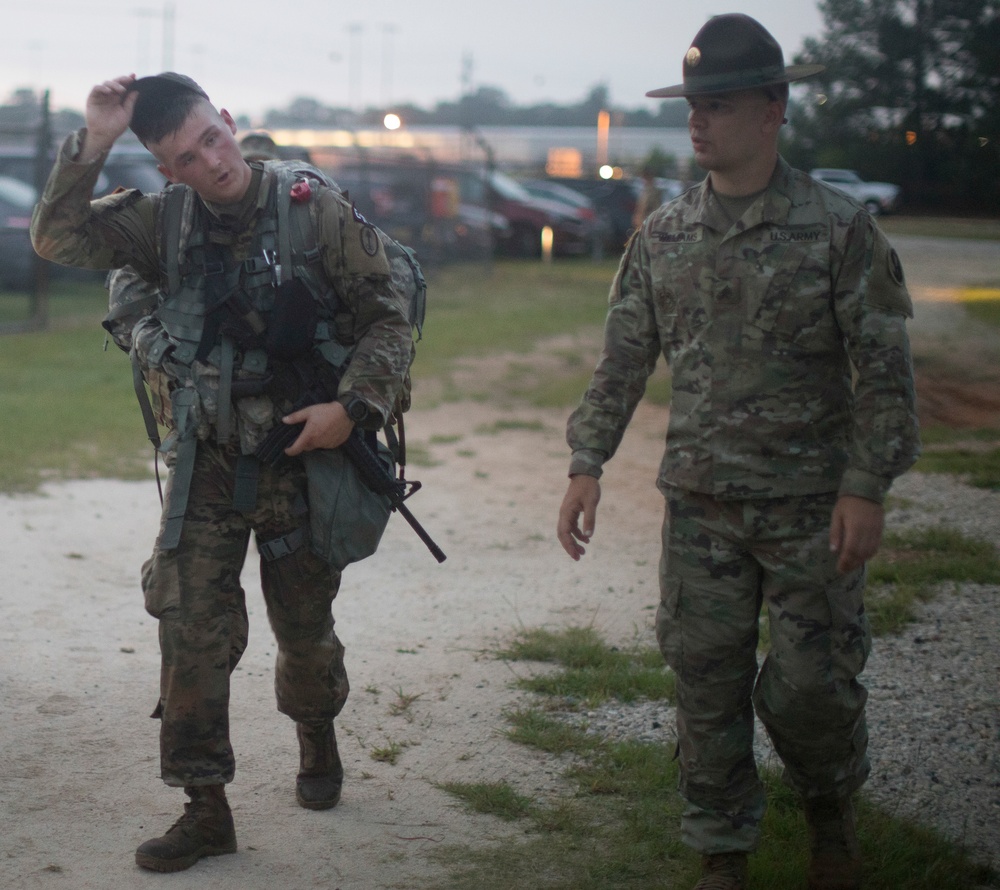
x=357, y=410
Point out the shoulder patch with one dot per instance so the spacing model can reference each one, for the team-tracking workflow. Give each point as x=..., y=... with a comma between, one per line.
x=369, y=239
x=895, y=267
x=886, y=288
x=364, y=252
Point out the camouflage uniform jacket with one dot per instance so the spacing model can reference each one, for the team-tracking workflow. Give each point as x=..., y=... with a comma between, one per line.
x=763, y=324
x=368, y=316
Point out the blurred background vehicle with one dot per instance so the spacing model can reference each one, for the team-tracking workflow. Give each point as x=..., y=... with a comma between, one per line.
x=423, y=206
x=17, y=257
x=614, y=200
x=448, y=212
x=875, y=197
x=127, y=166
x=573, y=231
x=577, y=203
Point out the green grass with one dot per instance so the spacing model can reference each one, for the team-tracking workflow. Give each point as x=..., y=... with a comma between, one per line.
x=69, y=410
x=515, y=310
x=592, y=673
x=614, y=824
x=984, y=310
x=472, y=313
x=972, y=454
x=910, y=567
x=495, y=798
x=68, y=407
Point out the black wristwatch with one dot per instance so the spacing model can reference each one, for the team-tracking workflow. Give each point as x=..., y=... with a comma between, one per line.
x=357, y=409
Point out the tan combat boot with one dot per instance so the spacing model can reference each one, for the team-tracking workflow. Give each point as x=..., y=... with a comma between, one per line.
x=205, y=829
x=723, y=871
x=321, y=776
x=835, y=854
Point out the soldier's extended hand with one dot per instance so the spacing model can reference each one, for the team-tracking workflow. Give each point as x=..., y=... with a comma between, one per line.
x=582, y=497
x=108, y=113
x=326, y=426
x=855, y=531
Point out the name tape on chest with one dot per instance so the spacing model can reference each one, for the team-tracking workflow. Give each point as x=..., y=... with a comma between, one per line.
x=798, y=236
x=690, y=237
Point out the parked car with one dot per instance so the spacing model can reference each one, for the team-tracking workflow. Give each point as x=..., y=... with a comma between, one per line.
x=528, y=216
x=577, y=203
x=423, y=206
x=17, y=257
x=875, y=197
x=614, y=200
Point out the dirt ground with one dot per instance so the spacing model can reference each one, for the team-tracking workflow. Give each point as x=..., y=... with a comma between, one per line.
x=79, y=658
x=957, y=359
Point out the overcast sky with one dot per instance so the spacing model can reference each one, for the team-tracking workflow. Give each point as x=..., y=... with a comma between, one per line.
x=251, y=56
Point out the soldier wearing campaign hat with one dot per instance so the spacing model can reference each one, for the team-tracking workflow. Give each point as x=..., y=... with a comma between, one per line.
x=780, y=308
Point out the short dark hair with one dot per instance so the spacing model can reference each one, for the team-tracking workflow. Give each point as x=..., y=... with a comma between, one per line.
x=164, y=103
x=776, y=92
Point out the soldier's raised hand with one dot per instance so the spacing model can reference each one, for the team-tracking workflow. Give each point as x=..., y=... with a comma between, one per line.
x=108, y=113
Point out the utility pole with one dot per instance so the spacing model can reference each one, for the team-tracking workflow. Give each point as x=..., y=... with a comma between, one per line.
x=354, y=29
x=388, y=29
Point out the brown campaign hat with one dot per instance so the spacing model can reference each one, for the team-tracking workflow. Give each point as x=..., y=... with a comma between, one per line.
x=733, y=52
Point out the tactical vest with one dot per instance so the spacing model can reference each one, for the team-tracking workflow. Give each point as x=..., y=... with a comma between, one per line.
x=210, y=361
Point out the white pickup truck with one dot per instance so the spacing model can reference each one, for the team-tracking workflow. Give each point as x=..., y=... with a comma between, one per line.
x=876, y=197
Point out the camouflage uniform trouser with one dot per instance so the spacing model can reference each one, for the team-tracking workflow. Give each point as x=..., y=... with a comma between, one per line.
x=194, y=591
x=721, y=561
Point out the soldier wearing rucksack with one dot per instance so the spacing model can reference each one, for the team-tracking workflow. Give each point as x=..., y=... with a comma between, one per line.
x=245, y=309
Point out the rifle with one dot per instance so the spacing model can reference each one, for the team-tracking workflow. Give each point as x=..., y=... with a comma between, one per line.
x=358, y=451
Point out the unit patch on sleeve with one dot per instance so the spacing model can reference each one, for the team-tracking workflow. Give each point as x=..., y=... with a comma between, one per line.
x=895, y=267
x=369, y=240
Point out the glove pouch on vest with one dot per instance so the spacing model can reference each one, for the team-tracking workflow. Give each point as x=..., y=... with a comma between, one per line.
x=346, y=517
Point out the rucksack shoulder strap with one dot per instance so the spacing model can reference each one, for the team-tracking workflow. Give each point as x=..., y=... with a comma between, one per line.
x=175, y=201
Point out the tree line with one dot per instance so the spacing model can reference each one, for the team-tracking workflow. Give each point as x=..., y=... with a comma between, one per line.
x=911, y=94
